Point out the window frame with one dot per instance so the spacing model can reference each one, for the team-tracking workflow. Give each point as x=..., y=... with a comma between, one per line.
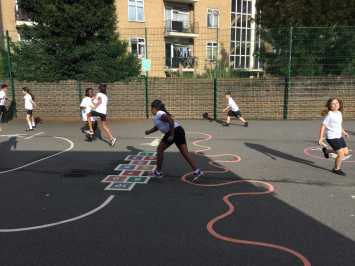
x=213, y=48
x=136, y=6
x=211, y=11
x=138, y=39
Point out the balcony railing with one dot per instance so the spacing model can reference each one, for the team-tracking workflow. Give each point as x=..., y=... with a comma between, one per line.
x=176, y=26
x=182, y=62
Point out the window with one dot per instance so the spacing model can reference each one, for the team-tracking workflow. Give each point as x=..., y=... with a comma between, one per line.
x=138, y=47
x=212, y=18
x=212, y=51
x=136, y=10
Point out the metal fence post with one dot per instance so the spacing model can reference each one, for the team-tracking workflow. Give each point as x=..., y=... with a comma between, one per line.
x=10, y=74
x=146, y=77
x=215, y=96
x=288, y=79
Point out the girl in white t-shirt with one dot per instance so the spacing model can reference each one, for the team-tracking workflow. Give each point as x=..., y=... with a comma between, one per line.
x=233, y=110
x=99, y=109
x=86, y=106
x=29, y=106
x=3, y=99
x=332, y=128
x=174, y=133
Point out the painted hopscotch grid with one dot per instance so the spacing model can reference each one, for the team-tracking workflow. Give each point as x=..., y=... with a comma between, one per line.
x=139, y=170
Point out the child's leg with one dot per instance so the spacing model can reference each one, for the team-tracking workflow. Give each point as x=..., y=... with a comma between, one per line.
x=184, y=151
x=242, y=119
x=160, y=155
x=339, y=159
x=89, y=116
x=228, y=121
x=29, y=121
x=106, y=129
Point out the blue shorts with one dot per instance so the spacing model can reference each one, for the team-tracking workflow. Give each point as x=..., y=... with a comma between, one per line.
x=337, y=144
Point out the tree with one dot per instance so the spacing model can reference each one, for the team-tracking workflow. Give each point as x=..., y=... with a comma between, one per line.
x=323, y=38
x=72, y=39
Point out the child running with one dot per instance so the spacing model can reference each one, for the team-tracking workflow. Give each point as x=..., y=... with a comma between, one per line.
x=99, y=109
x=3, y=99
x=333, y=128
x=85, y=106
x=174, y=133
x=233, y=110
x=29, y=106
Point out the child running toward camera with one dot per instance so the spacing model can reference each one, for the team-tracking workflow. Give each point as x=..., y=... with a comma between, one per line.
x=29, y=106
x=233, y=110
x=86, y=105
x=332, y=128
x=99, y=109
x=3, y=99
x=174, y=133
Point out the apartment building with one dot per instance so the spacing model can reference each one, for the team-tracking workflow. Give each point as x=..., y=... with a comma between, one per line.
x=177, y=36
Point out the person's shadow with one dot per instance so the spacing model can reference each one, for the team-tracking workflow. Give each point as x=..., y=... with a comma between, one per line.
x=274, y=154
x=9, y=145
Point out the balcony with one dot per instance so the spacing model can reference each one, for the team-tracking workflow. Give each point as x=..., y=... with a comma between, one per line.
x=181, y=63
x=184, y=29
x=183, y=1
x=22, y=18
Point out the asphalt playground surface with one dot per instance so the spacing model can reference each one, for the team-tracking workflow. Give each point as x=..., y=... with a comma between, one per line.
x=267, y=198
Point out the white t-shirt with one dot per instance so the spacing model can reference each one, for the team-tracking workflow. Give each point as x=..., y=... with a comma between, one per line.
x=86, y=103
x=333, y=123
x=102, y=108
x=232, y=105
x=28, y=102
x=164, y=127
x=2, y=97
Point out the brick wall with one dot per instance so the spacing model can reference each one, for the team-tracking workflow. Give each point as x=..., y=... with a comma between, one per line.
x=189, y=98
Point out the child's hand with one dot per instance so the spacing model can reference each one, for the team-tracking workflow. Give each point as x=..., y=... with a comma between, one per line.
x=321, y=142
x=346, y=134
x=170, y=139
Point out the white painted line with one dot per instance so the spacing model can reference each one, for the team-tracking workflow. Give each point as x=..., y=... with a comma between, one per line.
x=13, y=135
x=120, y=186
x=154, y=143
x=34, y=135
x=103, y=205
x=43, y=159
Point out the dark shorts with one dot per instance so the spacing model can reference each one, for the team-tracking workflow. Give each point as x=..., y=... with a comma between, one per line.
x=103, y=117
x=2, y=112
x=337, y=144
x=179, y=137
x=29, y=112
x=237, y=114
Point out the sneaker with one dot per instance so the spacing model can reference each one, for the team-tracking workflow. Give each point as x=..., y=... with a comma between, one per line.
x=339, y=172
x=197, y=173
x=157, y=174
x=113, y=142
x=225, y=124
x=325, y=152
x=89, y=132
x=246, y=124
x=29, y=129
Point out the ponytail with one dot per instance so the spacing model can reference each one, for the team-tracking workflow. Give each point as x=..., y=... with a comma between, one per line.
x=27, y=90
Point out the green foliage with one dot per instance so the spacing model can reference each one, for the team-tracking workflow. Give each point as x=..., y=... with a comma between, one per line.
x=73, y=39
x=323, y=41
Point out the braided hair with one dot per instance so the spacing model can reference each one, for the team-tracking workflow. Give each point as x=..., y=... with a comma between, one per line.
x=159, y=105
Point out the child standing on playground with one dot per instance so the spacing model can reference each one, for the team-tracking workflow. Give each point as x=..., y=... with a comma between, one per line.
x=174, y=133
x=3, y=99
x=86, y=105
x=332, y=128
x=29, y=106
x=99, y=109
x=233, y=110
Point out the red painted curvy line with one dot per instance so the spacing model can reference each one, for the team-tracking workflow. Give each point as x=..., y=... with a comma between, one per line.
x=226, y=199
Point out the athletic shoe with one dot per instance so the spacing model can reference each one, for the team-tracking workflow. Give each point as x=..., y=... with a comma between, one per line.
x=325, y=152
x=197, y=173
x=246, y=124
x=113, y=142
x=89, y=132
x=225, y=124
x=339, y=172
x=29, y=129
x=157, y=174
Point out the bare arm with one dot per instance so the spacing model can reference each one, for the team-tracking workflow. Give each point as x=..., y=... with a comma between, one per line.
x=321, y=135
x=152, y=130
x=97, y=104
x=168, y=119
x=345, y=133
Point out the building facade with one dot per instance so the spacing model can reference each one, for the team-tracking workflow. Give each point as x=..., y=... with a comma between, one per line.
x=177, y=36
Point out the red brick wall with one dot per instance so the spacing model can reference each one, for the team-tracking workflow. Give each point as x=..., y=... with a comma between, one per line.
x=189, y=98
